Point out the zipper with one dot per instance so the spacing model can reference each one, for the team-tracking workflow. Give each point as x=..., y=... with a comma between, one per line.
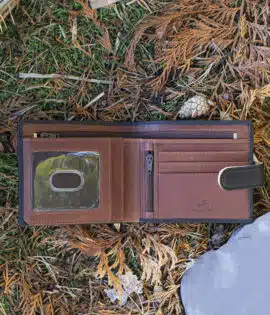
x=149, y=169
x=148, y=135
x=51, y=135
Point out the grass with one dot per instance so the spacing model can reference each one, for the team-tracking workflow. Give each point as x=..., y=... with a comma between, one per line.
x=49, y=270
x=46, y=46
x=8, y=178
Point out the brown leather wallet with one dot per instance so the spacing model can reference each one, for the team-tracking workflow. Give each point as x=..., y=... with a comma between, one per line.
x=77, y=173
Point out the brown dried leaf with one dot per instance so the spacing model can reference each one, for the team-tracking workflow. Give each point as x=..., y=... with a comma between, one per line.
x=105, y=41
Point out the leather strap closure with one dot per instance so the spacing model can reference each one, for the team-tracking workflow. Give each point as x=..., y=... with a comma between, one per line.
x=241, y=177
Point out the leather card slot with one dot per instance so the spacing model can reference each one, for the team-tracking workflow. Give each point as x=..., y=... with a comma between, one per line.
x=195, y=167
x=198, y=196
x=204, y=156
x=200, y=141
x=203, y=147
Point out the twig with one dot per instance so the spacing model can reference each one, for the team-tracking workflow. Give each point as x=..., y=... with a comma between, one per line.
x=22, y=75
x=53, y=100
x=6, y=6
x=74, y=30
x=91, y=296
x=90, y=103
x=22, y=111
x=159, y=110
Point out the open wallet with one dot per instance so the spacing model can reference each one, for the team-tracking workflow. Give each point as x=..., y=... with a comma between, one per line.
x=170, y=171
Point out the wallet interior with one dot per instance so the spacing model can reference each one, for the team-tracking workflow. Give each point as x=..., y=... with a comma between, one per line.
x=75, y=173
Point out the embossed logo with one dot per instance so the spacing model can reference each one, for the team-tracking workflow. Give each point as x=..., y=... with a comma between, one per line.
x=202, y=206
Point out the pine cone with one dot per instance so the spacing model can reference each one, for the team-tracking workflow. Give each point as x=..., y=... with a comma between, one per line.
x=194, y=107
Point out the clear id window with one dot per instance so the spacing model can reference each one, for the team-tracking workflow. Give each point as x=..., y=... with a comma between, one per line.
x=66, y=180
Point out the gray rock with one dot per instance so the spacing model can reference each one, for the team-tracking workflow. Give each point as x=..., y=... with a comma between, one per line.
x=235, y=279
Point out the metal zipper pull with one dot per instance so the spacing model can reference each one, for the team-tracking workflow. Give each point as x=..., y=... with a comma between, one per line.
x=46, y=135
x=149, y=162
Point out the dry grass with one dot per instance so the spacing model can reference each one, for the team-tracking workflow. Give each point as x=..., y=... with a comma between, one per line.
x=157, y=55
x=216, y=48
x=48, y=271
x=6, y=7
